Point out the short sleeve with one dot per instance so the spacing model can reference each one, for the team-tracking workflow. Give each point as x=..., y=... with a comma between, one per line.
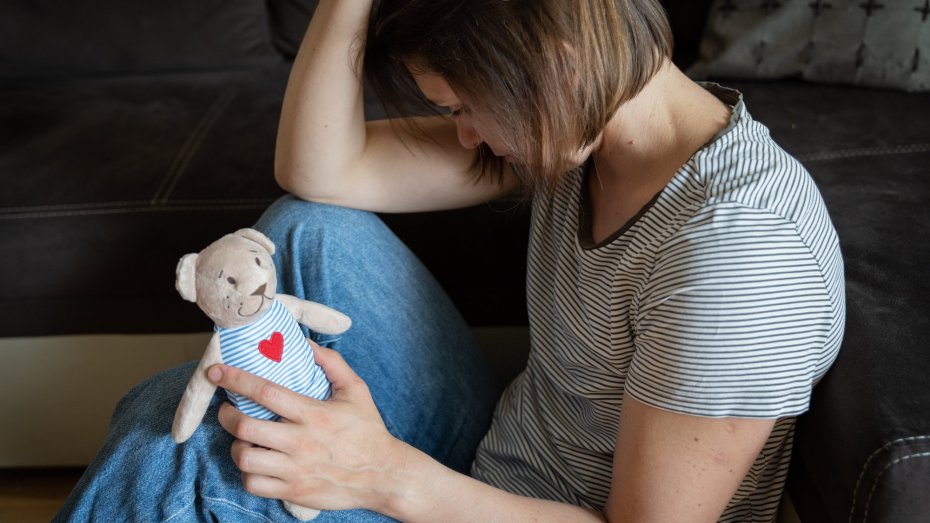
x=734, y=319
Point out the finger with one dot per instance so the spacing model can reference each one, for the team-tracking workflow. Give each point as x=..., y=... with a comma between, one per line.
x=278, y=399
x=346, y=382
x=268, y=434
x=253, y=459
x=265, y=486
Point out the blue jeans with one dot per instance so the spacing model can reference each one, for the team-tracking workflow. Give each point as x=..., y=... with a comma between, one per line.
x=424, y=369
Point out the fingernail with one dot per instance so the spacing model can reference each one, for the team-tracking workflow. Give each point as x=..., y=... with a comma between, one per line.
x=215, y=374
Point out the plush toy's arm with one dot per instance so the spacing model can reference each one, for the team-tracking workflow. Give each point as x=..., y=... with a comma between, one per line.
x=318, y=317
x=197, y=396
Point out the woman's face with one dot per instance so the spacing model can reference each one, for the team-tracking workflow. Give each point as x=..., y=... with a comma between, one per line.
x=473, y=129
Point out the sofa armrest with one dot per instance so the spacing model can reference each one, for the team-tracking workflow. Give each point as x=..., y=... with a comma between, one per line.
x=862, y=452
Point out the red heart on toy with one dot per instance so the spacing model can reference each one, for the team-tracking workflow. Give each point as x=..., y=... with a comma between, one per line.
x=272, y=348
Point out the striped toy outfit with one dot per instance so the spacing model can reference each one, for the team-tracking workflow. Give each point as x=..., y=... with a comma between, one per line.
x=274, y=348
x=724, y=297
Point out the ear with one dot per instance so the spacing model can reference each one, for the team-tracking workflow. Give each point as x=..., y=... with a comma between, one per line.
x=186, y=282
x=257, y=237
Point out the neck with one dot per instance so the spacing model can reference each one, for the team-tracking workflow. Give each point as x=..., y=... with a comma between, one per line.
x=646, y=142
x=652, y=135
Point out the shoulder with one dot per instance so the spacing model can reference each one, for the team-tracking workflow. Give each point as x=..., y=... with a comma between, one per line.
x=746, y=165
x=755, y=222
x=749, y=193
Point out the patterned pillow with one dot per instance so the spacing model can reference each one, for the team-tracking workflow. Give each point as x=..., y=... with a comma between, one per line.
x=878, y=43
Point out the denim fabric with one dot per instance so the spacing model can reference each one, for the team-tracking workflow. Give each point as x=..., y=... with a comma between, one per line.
x=424, y=369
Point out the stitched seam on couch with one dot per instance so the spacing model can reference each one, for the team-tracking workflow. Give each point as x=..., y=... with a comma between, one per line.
x=865, y=468
x=193, y=142
x=841, y=154
x=124, y=207
x=868, y=503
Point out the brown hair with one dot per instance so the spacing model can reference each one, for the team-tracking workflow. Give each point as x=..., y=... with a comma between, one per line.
x=509, y=59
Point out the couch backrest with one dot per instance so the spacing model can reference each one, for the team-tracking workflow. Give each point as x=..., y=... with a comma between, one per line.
x=65, y=37
x=289, y=20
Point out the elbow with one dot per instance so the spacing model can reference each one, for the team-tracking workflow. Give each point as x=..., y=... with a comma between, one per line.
x=284, y=178
x=304, y=184
x=292, y=180
x=285, y=172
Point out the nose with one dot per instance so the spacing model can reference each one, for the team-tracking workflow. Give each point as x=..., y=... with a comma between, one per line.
x=259, y=291
x=467, y=135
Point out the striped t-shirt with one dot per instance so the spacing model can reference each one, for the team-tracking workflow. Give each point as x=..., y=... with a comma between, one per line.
x=274, y=348
x=724, y=297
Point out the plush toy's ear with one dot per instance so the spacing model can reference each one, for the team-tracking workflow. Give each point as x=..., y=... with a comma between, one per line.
x=186, y=282
x=258, y=238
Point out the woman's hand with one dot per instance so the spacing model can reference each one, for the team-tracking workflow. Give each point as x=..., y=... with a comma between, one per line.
x=334, y=454
x=337, y=454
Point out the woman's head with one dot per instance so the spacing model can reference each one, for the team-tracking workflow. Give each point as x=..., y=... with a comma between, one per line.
x=536, y=80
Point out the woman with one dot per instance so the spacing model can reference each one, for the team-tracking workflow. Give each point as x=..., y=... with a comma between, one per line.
x=685, y=288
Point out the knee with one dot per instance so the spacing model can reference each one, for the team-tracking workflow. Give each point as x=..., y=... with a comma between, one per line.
x=289, y=214
x=283, y=215
x=291, y=221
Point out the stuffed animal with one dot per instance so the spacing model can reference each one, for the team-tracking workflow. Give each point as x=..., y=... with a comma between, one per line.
x=234, y=282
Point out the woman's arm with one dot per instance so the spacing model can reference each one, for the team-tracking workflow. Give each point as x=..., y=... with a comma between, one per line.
x=675, y=467
x=327, y=152
x=337, y=454
x=668, y=467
